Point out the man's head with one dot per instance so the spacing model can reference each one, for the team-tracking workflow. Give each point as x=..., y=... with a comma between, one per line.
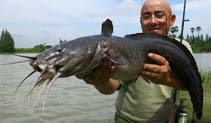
x=156, y=17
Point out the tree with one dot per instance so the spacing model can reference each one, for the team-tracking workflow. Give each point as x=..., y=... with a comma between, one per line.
x=1, y=43
x=41, y=47
x=198, y=29
x=6, y=42
x=62, y=41
x=174, y=31
x=188, y=38
x=192, y=30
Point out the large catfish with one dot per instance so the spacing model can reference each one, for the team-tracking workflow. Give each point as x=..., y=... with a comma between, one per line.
x=80, y=56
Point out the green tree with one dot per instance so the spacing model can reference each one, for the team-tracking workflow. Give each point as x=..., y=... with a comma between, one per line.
x=6, y=42
x=1, y=43
x=192, y=29
x=174, y=31
x=41, y=47
x=188, y=38
x=62, y=41
x=207, y=37
x=198, y=29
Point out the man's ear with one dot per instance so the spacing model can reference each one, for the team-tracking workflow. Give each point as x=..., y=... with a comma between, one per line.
x=172, y=20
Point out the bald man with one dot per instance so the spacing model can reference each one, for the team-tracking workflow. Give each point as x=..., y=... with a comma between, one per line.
x=139, y=101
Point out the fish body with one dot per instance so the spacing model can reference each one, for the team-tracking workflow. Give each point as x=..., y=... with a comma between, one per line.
x=80, y=56
x=129, y=54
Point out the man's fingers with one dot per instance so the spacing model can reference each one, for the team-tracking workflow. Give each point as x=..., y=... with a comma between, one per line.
x=152, y=68
x=149, y=75
x=100, y=74
x=158, y=59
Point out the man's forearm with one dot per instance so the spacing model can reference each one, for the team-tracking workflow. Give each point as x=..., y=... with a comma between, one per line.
x=108, y=87
x=176, y=83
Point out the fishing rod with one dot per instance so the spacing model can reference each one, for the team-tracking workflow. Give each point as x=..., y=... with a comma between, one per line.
x=175, y=91
x=183, y=21
x=181, y=38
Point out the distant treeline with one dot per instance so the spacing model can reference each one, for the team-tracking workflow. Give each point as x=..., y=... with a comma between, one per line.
x=7, y=45
x=199, y=42
x=35, y=49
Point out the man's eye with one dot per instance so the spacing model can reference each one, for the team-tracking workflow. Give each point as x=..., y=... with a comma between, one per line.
x=146, y=16
x=159, y=15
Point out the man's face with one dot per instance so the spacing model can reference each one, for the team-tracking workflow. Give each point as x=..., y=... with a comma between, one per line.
x=156, y=18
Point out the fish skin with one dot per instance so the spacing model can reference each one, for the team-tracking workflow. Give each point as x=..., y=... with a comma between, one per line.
x=80, y=56
x=198, y=106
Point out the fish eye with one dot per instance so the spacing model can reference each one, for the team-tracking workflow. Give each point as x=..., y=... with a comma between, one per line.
x=59, y=49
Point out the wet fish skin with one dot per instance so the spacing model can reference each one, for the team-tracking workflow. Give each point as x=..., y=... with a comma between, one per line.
x=80, y=56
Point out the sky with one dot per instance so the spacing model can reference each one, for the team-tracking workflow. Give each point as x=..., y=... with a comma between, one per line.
x=33, y=22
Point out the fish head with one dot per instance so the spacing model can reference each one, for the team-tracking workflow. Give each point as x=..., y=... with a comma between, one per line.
x=47, y=61
x=63, y=59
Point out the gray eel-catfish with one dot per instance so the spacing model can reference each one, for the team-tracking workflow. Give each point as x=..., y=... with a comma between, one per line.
x=80, y=56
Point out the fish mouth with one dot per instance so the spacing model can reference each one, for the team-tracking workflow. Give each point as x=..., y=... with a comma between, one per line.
x=48, y=74
x=46, y=79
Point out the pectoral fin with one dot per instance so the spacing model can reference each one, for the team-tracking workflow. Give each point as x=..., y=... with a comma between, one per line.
x=116, y=60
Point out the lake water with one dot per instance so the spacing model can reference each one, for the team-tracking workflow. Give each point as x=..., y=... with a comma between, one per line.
x=203, y=60
x=69, y=100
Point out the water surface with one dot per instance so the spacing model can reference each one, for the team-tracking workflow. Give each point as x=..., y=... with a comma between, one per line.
x=69, y=101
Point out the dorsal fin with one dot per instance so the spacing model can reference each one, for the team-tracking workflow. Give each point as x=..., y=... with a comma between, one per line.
x=107, y=28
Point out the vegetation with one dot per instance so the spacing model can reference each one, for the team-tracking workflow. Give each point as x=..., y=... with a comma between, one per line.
x=7, y=45
x=186, y=101
x=6, y=42
x=35, y=49
x=199, y=42
x=206, y=76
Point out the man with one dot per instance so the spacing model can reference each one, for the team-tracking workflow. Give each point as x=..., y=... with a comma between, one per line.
x=138, y=100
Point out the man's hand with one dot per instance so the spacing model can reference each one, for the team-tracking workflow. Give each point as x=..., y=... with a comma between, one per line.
x=100, y=75
x=101, y=79
x=157, y=73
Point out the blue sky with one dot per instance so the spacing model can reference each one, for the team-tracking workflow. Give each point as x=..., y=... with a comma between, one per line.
x=32, y=22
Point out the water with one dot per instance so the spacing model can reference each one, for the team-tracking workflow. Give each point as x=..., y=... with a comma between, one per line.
x=69, y=101
x=203, y=60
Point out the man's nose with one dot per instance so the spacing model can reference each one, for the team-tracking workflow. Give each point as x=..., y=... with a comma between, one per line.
x=153, y=19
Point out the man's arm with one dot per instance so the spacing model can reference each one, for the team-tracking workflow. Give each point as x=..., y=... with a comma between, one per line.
x=100, y=78
x=159, y=73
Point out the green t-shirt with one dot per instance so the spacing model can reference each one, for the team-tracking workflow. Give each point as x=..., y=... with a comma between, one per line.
x=141, y=102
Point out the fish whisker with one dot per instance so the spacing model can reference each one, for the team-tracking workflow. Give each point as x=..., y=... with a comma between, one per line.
x=41, y=90
x=16, y=62
x=28, y=57
x=39, y=80
x=38, y=83
x=29, y=95
x=24, y=80
x=48, y=89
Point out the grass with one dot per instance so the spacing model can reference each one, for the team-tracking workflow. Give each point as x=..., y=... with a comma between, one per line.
x=206, y=78
x=207, y=106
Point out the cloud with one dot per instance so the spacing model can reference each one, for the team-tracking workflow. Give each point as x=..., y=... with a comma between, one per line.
x=198, y=12
x=194, y=6
x=53, y=19
x=32, y=22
